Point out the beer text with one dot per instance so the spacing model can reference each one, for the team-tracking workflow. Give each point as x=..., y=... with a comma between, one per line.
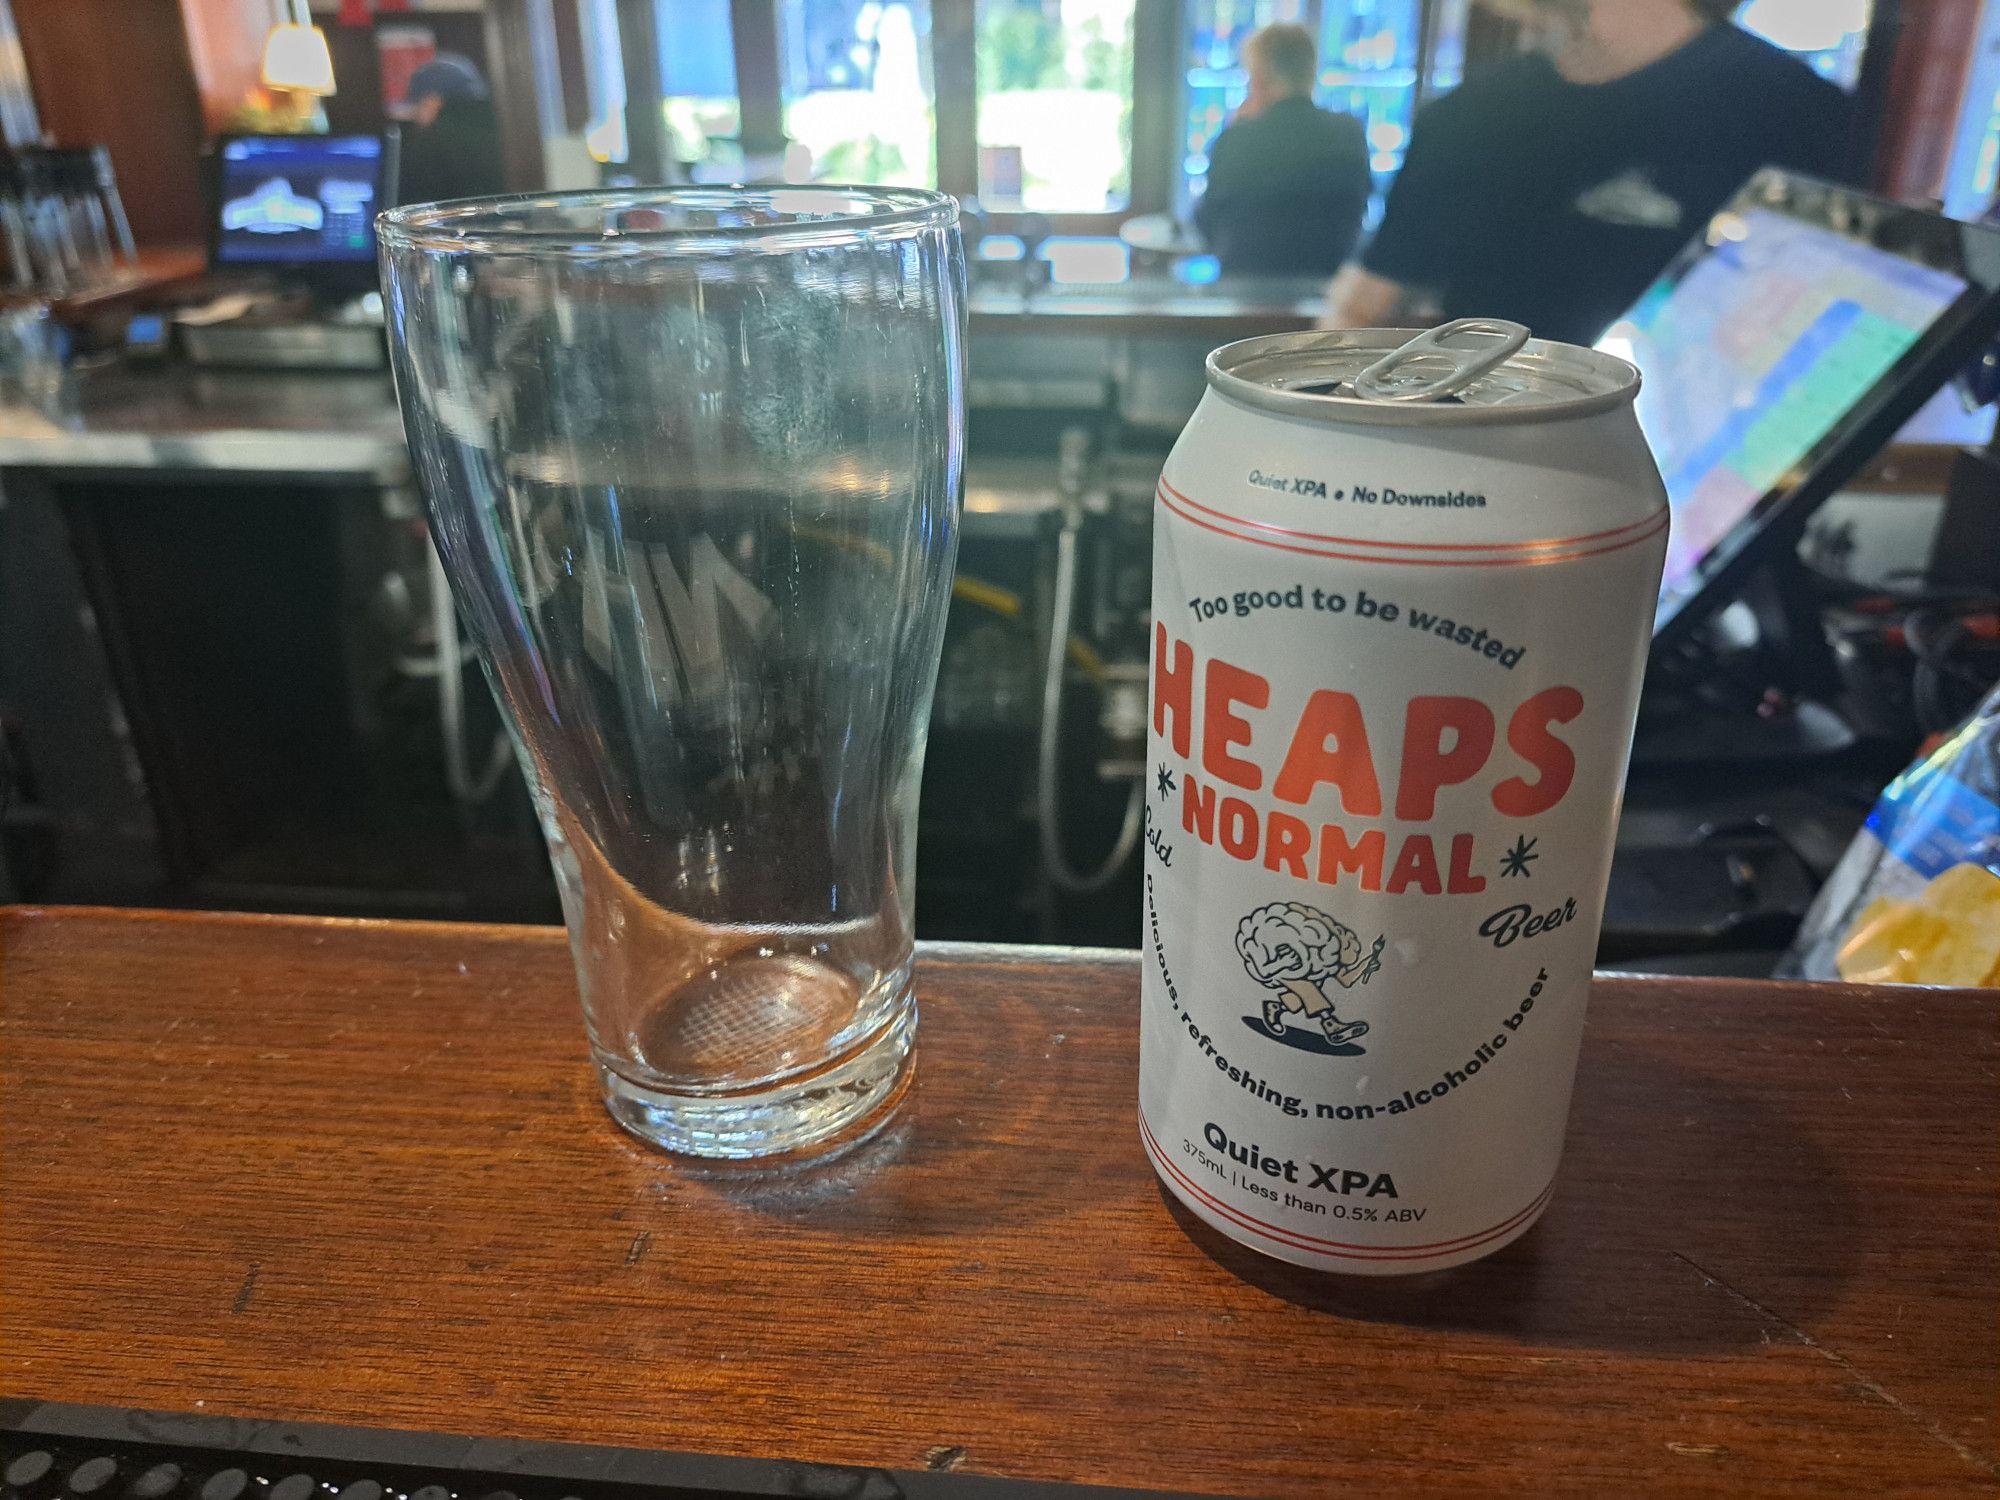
x=1339, y=1180
x=1447, y=742
x=1522, y=921
x=1241, y=604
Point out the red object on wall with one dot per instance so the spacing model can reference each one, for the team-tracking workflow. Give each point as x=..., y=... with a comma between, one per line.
x=400, y=51
x=361, y=12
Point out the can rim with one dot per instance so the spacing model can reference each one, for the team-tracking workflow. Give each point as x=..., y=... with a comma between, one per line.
x=1231, y=373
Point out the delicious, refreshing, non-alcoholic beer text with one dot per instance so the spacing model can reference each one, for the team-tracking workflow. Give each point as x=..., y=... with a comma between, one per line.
x=1401, y=601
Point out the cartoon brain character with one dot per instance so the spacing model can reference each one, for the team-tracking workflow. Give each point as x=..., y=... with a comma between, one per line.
x=1293, y=950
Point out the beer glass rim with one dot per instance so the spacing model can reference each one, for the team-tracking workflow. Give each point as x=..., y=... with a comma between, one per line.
x=802, y=215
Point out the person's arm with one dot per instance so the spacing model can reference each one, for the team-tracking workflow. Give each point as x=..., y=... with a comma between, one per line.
x=1358, y=298
x=1409, y=248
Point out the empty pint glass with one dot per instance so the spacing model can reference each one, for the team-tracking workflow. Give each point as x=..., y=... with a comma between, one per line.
x=692, y=461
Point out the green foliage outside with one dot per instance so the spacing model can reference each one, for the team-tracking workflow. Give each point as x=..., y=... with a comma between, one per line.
x=1021, y=47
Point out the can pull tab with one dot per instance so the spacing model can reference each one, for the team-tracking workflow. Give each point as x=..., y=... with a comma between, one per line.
x=1429, y=367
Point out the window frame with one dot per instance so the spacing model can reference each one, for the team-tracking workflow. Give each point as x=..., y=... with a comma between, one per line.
x=530, y=51
x=1156, y=41
x=1158, y=99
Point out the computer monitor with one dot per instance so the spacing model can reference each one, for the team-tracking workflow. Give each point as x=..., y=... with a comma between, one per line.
x=303, y=204
x=1781, y=350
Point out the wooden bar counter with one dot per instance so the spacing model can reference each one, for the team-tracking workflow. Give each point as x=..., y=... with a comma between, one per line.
x=357, y=1172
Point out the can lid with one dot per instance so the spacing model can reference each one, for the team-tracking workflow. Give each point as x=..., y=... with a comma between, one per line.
x=1472, y=372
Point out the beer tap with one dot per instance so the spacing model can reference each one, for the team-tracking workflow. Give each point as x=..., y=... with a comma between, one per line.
x=1073, y=473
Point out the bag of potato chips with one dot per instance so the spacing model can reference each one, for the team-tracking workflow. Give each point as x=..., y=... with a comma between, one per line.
x=1916, y=898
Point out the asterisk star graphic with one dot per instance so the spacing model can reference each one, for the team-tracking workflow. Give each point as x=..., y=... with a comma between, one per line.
x=1164, y=781
x=1517, y=859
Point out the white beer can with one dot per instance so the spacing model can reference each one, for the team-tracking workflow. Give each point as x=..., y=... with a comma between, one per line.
x=1402, y=596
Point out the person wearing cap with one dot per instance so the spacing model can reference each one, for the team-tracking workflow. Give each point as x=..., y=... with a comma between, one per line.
x=451, y=147
x=1553, y=188
x=1287, y=181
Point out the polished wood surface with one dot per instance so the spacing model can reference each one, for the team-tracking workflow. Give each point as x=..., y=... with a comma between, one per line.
x=117, y=73
x=152, y=271
x=357, y=1172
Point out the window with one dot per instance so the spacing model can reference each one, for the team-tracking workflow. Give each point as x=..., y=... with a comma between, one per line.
x=1830, y=35
x=1214, y=77
x=858, y=91
x=1972, y=176
x=698, y=86
x=1370, y=67
x=1037, y=113
x=697, y=79
x=1054, y=124
x=1449, y=24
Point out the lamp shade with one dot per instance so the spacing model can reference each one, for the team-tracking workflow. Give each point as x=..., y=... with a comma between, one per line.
x=296, y=58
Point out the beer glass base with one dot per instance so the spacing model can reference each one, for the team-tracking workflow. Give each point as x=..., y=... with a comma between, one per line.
x=832, y=1106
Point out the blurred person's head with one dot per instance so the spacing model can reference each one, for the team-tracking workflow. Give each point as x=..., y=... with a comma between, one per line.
x=1562, y=17
x=446, y=80
x=1595, y=40
x=452, y=146
x=1283, y=63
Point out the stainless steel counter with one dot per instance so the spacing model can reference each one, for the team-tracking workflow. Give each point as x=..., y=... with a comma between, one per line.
x=1058, y=346
x=1235, y=307
x=174, y=420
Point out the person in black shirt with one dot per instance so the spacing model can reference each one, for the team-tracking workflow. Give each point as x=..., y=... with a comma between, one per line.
x=1287, y=181
x=451, y=147
x=1554, y=188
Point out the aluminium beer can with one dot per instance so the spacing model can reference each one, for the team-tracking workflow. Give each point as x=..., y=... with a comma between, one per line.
x=1403, y=588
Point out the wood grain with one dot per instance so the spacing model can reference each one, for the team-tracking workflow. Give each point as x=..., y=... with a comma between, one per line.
x=357, y=1172
x=116, y=73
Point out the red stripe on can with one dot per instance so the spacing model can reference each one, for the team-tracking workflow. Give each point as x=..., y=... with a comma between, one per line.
x=1543, y=545
x=1416, y=562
